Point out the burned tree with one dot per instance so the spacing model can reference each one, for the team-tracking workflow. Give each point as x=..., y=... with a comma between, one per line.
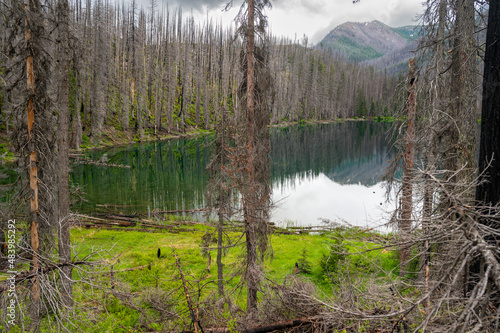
x=409, y=161
x=28, y=79
x=488, y=191
x=63, y=151
x=253, y=141
x=220, y=186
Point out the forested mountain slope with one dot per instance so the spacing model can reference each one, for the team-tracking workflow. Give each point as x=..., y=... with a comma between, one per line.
x=366, y=41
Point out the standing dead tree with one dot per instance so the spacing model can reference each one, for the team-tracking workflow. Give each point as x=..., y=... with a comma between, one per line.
x=487, y=191
x=220, y=186
x=33, y=138
x=63, y=152
x=405, y=223
x=252, y=140
x=32, y=167
x=462, y=106
x=29, y=79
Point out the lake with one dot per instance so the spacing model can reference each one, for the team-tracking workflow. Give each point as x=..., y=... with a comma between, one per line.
x=322, y=171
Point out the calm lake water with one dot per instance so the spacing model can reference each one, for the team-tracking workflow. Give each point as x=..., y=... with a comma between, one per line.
x=318, y=172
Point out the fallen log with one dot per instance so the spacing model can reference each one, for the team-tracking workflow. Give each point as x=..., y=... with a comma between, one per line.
x=119, y=254
x=112, y=271
x=309, y=227
x=111, y=223
x=177, y=211
x=272, y=327
x=79, y=160
x=26, y=275
x=134, y=218
x=193, y=312
x=102, y=226
x=282, y=325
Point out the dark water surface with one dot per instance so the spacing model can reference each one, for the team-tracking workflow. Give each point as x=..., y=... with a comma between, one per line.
x=330, y=171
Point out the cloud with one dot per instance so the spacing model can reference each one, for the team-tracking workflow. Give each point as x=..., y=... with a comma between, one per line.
x=317, y=17
x=313, y=18
x=199, y=5
x=308, y=6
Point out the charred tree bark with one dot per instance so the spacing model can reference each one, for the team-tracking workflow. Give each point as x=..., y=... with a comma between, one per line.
x=488, y=191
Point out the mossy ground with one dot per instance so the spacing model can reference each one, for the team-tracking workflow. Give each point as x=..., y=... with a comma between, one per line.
x=125, y=250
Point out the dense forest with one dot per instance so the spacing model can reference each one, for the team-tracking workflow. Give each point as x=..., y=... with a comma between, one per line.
x=76, y=74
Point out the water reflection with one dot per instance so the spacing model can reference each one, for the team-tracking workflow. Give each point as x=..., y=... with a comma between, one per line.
x=331, y=172
x=309, y=200
x=321, y=171
x=167, y=175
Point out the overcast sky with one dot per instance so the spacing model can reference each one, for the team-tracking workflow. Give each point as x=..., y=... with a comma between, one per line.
x=313, y=18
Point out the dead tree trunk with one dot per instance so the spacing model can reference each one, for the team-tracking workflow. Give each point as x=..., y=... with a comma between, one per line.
x=460, y=160
x=220, y=265
x=409, y=158
x=249, y=209
x=63, y=158
x=33, y=171
x=431, y=154
x=488, y=192
x=192, y=311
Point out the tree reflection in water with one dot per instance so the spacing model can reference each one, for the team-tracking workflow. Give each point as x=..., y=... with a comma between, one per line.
x=328, y=171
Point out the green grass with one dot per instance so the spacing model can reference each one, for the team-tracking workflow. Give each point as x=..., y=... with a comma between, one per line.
x=139, y=249
x=138, y=272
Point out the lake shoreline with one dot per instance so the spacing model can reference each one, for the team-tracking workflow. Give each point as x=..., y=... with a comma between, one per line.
x=130, y=138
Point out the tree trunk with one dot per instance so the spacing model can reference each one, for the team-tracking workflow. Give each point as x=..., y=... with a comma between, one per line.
x=63, y=159
x=220, y=265
x=76, y=127
x=33, y=173
x=462, y=106
x=409, y=158
x=488, y=190
x=249, y=209
x=431, y=155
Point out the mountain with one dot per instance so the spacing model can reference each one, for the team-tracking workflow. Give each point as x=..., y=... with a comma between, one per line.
x=372, y=42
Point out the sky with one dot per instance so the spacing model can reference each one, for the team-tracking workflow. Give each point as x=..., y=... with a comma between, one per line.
x=312, y=18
